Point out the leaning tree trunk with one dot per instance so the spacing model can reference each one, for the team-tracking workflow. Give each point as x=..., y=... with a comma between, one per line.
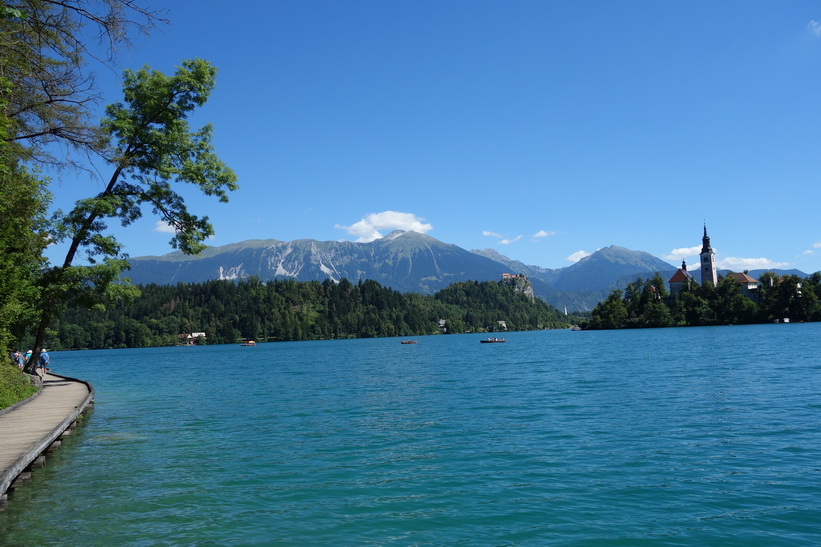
x=54, y=297
x=46, y=316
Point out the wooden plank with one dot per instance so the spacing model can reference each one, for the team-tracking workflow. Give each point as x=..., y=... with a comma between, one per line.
x=28, y=430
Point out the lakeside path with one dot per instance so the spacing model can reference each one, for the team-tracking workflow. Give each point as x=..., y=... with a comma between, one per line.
x=30, y=429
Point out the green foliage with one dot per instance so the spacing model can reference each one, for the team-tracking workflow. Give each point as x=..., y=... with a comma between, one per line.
x=289, y=310
x=484, y=304
x=14, y=385
x=730, y=306
x=47, y=98
x=43, y=56
x=610, y=314
x=23, y=202
x=790, y=297
x=154, y=147
x=150, y=147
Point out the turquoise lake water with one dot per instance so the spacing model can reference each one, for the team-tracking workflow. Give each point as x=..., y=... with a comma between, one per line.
x=697, y=436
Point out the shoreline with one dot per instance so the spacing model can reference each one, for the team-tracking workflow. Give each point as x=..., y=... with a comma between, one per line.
x=35, y=426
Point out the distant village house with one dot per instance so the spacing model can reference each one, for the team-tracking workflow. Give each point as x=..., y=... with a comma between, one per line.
x=190, y=338
x=749, y=285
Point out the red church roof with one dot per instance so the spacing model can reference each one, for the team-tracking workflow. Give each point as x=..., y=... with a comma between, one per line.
x=680, y=276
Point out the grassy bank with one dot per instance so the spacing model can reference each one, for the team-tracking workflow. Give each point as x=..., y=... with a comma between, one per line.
x=14, y=385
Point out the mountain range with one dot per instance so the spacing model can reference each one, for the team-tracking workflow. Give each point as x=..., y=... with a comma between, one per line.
x=405, y=261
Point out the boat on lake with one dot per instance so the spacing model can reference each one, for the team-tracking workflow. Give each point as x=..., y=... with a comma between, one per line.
x=492, y=341
x=408, y=342
x=249, y=343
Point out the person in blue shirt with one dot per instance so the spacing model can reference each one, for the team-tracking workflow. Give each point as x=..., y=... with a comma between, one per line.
x=43, y=361
x=18, y=358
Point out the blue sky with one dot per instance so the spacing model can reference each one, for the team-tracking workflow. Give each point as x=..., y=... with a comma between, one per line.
x=544, y=130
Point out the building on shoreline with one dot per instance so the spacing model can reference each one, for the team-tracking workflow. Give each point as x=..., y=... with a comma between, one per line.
x=190, y=338
x=749, y=285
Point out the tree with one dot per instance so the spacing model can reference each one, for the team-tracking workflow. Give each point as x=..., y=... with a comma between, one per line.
x=44, y=60
x=731, y=306
x=150, y=147
x=46, y=95
x=609, y=314
x=794, y=301
x=23, y=201
x=632, y=300
x=813, y=283
x=657, y=314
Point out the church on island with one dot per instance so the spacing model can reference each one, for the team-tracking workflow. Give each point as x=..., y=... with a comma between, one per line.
x=709, y=274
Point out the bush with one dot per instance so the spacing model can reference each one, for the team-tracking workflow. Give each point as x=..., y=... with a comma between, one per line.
x=14, y=385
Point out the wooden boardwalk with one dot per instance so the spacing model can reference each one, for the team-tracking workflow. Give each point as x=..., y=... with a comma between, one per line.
x=28, y=430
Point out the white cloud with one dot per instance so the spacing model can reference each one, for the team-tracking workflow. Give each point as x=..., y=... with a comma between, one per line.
x=808, y=252
x=502, y=239
x=505, y=241
x=164, y=228
x=578, y=255
x=683, y=252
x=814, y=27
x=372, y=226
x=543, y=233
x=729, y=263
x=817, y=245
x=741, y=264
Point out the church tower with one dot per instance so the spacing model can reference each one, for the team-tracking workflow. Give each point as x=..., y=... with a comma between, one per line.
x=708, y=261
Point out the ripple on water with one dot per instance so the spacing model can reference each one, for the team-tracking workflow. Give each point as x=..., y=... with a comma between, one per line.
x=680, y=436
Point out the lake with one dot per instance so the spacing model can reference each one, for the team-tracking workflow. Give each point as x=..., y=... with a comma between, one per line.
x=689, y=436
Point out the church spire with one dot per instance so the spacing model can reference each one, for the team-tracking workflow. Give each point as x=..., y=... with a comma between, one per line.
x=705, y=247
x=708, y=261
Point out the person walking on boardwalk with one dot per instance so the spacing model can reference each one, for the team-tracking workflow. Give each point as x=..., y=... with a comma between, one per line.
x=43, y=361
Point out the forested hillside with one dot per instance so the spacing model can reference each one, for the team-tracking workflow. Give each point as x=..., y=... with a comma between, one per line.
x=290, y=310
